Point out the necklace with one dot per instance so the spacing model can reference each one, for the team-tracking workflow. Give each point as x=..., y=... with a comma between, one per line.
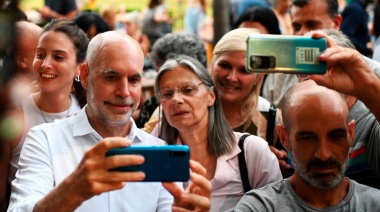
x=67, y=114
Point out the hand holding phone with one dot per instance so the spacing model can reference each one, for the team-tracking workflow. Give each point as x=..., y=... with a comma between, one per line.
x=285, y=54
x=162, y=163
x=198, y=193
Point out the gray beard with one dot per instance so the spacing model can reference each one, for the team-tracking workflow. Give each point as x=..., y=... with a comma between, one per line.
x=317, y=180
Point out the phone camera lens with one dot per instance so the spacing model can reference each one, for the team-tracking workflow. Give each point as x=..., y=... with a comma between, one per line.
x=177, y=153
x=261, y=62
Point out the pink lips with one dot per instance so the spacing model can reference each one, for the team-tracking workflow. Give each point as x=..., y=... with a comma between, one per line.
x=178, y=113
x=119, y=106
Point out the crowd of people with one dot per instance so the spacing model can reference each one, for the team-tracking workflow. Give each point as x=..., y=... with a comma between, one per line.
x=258, y=142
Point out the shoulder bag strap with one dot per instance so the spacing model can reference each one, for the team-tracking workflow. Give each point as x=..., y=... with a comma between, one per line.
x=243, y=165
x=271, y=123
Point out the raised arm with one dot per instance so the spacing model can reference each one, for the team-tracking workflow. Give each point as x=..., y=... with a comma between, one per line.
x=348, y=73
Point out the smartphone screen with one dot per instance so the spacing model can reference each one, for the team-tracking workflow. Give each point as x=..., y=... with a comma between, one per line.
x=162, y=163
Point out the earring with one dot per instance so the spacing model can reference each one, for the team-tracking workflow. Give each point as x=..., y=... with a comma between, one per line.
x=209, y=103
x=77, y=79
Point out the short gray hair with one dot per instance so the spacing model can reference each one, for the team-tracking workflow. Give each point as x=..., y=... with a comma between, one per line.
x=173, y=44
x=339, y=37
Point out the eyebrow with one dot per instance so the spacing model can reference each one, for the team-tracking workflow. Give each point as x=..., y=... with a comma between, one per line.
x=114, y=72
x=303, y=133
x=55, y=50
x=341, y=130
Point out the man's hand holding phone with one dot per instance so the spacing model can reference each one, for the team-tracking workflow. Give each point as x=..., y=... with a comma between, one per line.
x=348, y=73
x=92, y=176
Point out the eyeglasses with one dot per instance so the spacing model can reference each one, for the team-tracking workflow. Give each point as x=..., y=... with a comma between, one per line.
x=187, y=90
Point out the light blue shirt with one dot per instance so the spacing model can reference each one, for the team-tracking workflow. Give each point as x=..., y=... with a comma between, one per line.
x=52, y=151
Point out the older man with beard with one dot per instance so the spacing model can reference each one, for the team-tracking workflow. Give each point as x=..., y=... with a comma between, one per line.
x=317, y=133
x=63, y=165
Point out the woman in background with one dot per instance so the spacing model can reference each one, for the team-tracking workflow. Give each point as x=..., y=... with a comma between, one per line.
x=60, y=51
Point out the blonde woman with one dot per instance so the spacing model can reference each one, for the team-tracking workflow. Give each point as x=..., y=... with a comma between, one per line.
x=238, y=89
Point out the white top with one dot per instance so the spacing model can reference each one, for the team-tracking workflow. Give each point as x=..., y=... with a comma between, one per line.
x=33, y=116
x=52, y=151
x=262, y=166
x=227, y=187
x=263, y=105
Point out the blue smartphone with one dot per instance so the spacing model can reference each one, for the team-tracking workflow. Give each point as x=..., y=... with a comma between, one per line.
x=162, y=163
x=285, y=54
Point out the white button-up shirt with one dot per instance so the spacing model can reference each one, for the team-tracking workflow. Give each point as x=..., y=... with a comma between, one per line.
x=52, y=151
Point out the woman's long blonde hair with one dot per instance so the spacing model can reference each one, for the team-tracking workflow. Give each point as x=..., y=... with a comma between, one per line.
x=236, y=40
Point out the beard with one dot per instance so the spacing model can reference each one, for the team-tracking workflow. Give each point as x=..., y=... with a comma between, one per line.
x=110, y=117
x=318, y=180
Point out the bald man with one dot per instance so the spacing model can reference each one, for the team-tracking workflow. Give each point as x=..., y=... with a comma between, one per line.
x=63, y=165
x=26, y=40
x=317, y=133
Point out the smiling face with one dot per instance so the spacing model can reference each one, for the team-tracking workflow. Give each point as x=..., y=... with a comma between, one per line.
x=318, y=137
x=185, y=112
x=232, y=81
x=55, y=62
x=113, y=81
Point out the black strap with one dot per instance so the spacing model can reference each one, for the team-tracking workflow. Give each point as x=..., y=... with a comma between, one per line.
x=243, y=165
x=271, y=122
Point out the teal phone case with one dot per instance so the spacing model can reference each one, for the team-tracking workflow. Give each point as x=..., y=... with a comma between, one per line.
x=285, y=54
x=162, y=163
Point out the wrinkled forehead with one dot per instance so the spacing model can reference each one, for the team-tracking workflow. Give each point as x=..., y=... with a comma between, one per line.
x=117, y=55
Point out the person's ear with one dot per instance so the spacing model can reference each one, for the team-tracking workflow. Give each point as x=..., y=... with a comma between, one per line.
x=20, y=60
x=211, y=98
x=84, y=73
x=351, y=130
x=284, y=136
x=337, y=20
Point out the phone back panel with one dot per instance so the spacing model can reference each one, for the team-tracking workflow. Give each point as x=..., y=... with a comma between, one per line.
x=162, y=163
x=288, y=54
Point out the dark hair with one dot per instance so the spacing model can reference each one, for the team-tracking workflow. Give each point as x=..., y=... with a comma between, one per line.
x=154, y=3
x=376, y=19
x=220, y=135
x=263, y=15
x=80, y=41
x=332, y=6
x=173, y=44
x=86, y=19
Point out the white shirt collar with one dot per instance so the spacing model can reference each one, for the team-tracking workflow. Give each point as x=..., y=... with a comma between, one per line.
x=83, y=127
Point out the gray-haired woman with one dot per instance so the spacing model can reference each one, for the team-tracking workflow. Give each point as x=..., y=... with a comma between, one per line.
x=193, y=116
